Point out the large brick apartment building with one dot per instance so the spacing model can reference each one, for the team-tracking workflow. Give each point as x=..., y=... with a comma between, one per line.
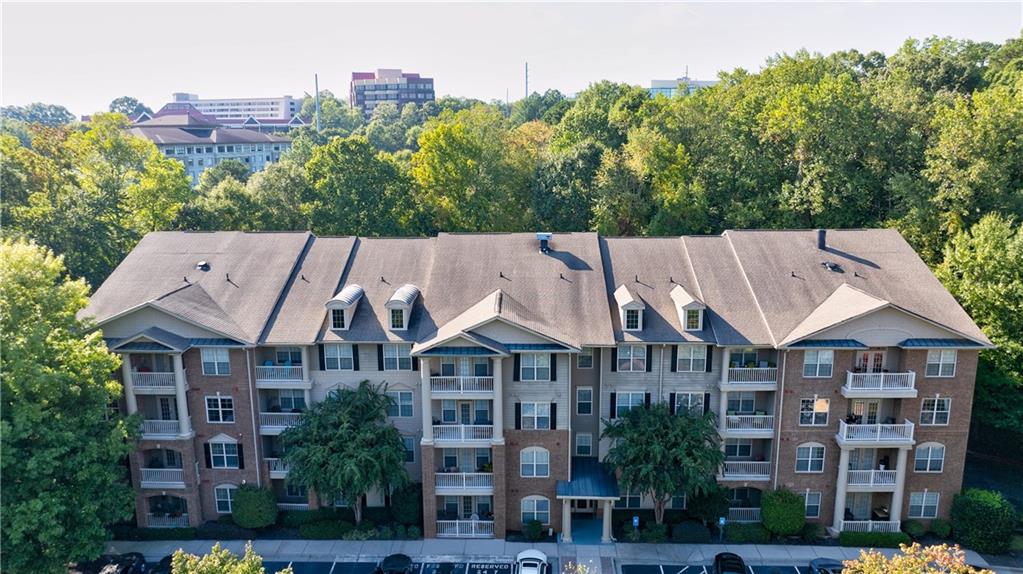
x=838, y=365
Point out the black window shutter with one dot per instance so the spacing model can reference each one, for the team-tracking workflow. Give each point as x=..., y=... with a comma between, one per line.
x=674, y=362
x=710, y=358
x=241, y=456
x=415, y=363
x=649, y=358
x=614, y=359
x=614, y=404
x=380, y=357
x=518, y=415
x=355, y=357
x=706, y=403
x=671, y=402
x=554, y=416
x=517, y=360
x=646, y=400
x=323, y=361
x=554, y=366
x=209, y=456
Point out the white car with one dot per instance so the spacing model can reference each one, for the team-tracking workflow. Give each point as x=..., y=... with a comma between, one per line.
x=531, y=562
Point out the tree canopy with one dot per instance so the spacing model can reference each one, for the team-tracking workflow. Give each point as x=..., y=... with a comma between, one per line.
x=220, y=560
x=129, y=106
x=915, y=559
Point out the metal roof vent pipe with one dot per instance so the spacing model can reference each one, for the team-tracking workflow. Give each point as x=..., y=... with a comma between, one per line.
x=545, y=241
x=822, y=239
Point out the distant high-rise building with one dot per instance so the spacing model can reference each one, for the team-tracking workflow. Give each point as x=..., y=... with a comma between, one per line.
x=263, y=114
x=370, y=89
x=684, y=85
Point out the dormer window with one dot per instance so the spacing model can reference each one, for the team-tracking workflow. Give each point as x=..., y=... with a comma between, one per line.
x=630, y=307
x=399, y=306
x=337, y=319
x=633, y=320
x=694, y=319
x=397, y=319
x=341, y=308
x=690, y=309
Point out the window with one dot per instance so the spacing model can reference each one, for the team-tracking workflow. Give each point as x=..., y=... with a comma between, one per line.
x=292, y=400
x=288, y=356
x=535, y=367
x=941, y=363
x=410, y=448
x=813, y=412
x=632, y=320
x=398, y=357
x=401, y=404
x=738, y=448
x=482, y=412
x=536, y=416
x=629, y=499
x=450, y=458
x=225, y=497
x=691, y=359
x=741, y=357
x=930, y=457
x=447, y=367
x=337, y=319
x=536, y=508
x=583, y=444
x=224, y=455
x=818, y=363
x=338, y=357
x=691, y=403
x=694, y=319
x=812, y=504
x=934, y=412
x=584, y=401
x=398, y=319
x=678, y=501
x=481, y=367
x=743, y=403
x=584, y=360
x=625, y=402
x=215, y=361
x=219, y=409
x=810, y=458
x=534, y=462
x=923, y=504
x=295, y=491
x=448, y=411
x=632, y=358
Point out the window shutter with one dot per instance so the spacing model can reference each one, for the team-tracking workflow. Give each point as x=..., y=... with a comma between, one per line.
x=614, y=404
x=671, y=402
x=241, y=457
x=646, y=400
x=515, y=368
x=649, y=358
x=674, y=362
x=355, y=357
x=554, y=416
x=415, y=363
x=554, y=366
x=380, y=357
x=209, y=455
x=706, y=402
x=710, y=358
x=614, y=359
x=323, y=361
x=518, y=415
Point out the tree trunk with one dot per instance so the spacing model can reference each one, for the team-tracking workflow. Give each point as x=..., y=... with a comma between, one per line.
x=659, y=505
x=357, y=510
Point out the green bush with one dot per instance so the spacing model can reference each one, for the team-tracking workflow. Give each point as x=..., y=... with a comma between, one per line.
x=400, y=532
x=254, y=507
x=690, y=531
x=914, y=528
x=747, y=533
x=783, y=512
x=983, y=520
x=941, y=528
x=124, y=532
x=655, y=533
x=407, y=504
x=812, y=532
x=533, y=531
x=360, y=534
x=708, y=507
x=633, y=534
x=415, y=532
x=325, y=529
x=874, y=539
x=385, y=533
x=296, y=518
x=377, y=515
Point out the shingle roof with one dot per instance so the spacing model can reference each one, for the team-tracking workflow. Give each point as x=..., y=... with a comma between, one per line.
x=170, y=135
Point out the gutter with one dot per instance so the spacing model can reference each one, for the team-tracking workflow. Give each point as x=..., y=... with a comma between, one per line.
x=781, y=403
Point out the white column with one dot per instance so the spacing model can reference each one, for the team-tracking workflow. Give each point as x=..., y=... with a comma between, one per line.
x=129, y=385
x=895, y=512
x=305, y=376
x=498, y=400
x=843, y=480
x=566, y=521
x=723, y=411
x=184, y=424
x=724, y=364
x=425, y=399
x=605, y=535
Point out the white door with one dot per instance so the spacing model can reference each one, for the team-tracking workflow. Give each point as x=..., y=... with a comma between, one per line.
x=870, y=361
x=465, y=412
x=464, y=367
x=867, y=410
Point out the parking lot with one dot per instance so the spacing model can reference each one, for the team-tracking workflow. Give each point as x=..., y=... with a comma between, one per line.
x=367, y=567
x=704, y=569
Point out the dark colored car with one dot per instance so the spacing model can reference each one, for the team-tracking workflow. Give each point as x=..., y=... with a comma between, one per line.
x=161, y=567
x=130, y=563
x=395, y=564
x=729, y=563
x=825, y=566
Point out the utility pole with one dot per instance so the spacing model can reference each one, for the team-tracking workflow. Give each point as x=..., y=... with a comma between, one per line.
x=527, y=79
x=316, y=80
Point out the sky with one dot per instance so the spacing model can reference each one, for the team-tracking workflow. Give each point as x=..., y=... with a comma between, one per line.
x=83, y=55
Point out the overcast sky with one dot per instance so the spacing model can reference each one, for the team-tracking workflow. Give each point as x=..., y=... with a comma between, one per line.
x=84, y=55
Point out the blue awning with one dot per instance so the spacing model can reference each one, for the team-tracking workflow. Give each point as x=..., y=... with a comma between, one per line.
x=828, y=344
x=535, y=347
x=457, y=351
x=939, y=344
x=206, y=342
x=590, y=479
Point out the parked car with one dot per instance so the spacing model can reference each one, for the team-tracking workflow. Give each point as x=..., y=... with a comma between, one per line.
x=395, y=564
x=531, y=562
x=161, y=567
x=729, y=563
x=825, y=566
x=130, y=563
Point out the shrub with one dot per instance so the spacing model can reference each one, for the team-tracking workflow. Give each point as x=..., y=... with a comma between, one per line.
x=254, y=507
x=407, y=504
x=124, y=532
x=812, y=532
x=296, y=518
x=983, y=520
x=690, y=531
x=360, y=534
x=385, y=533
x=655, y=533
x=633, y=534
x=783, y=512
x=708, y=507
x=400, y=533
x=747, y=533
x=914, y=528
x=533, y=531
x=325, y=529
x=874, y=539
x=377, y=515
x=415, y=532
x=941, y=528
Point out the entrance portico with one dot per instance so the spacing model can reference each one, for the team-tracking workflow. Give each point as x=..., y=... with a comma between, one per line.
x=591, y=481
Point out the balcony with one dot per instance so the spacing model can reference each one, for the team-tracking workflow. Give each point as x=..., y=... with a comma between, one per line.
x=745, y=470
x=463, y=434
x=751, y=379
x=293, y=505
x=280, y=377
x=870, y=525
x=483, y=386
x=744, y=515
x=880, y=385
x=278, y=468
x=871, y=480
x=749, y=426
x=276, y=423
x=465, y=529
x=874, y=435
x=153, y=383
x=162, y=429
x=466, y=483
x=160, y=520
x=162, y=478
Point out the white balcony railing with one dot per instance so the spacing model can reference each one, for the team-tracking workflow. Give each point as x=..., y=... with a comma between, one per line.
x=746, y=468
x=275, y=373
x=876, y=433
x=749, y=422
x=153, y=382
x=278, y=420
x=157, y=477
x=163, y=521
x=277, y=466
x=464, y=480
x=293, y=505
x=753, y=375
x=744, y=515
x=465, y=529
x=160, y=427
x=871, y=478
x=880, y=382
x=870, y=525
x=462, y=433
x=456, y=385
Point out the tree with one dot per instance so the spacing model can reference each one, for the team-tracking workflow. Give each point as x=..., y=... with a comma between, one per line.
x=129, y=106
x=536, y=107
x=335, y=114
x=61, y=447
x=386, y=130
x=38, y=113
x=229, y=168
x=343, y=447
x=913, y=559
x=220, y=561
x=598, y=115
x=664, y=454
x=622, y=203
x=983, y=520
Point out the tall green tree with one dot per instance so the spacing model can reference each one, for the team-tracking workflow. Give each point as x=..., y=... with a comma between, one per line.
x=61, y=446
x=343, y=447
x=129, y=106
x=38, y=113
x=220, y=560
x=335, y=114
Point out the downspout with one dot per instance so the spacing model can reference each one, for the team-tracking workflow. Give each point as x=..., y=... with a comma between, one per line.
x=571, y=410
x=781, y=403
x=252, y=405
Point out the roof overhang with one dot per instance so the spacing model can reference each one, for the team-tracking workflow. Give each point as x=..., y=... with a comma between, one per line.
x=940, y=344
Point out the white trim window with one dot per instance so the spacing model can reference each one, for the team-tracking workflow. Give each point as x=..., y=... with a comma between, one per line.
x=929, y=457
x=338, y=357
x=941, y=363
x=584, y=401
x=923, y=504
x=410, y=448
x=584, y=360
x=629, y=499
x=401, y=404
x=689, y=403
x=678, y=501
x=291, y=400
x=810, y=457
x=536, y=508
x=738, y=448
x=625, y=402
x=397, y=319
x=338, y=320
x=584, y=444
x=219, y=409
x=813, y=412
x=223, y=454
x=397, y=357
x=818, y=363
x=536, y=416
x=691, y=359
x=215, y=361
x=290, y=356
x=632, y=358
x=535, y=367
x=632, y=319
x=742, y=403
x=694, y=320
x=534, y=462
x=812, y=504
x=224, y=496
x=448, y=411
x=935, y=411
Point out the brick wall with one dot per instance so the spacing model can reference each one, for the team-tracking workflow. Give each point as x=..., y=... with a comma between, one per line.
x=517, y=487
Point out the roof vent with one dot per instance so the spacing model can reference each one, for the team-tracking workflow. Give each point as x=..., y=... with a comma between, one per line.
x=545, y=239
x=203, y=266
x=822, y=239
x=832, y=266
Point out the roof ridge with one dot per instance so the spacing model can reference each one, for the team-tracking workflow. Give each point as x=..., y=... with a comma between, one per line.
x=753, y=293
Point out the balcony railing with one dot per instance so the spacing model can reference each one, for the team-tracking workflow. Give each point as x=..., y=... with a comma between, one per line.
x=871, y=478
x=753, y=375
x=162, y=477
x=456, y=385
x=880, y=383
x=161, y=427
x=465, y=529
x=163, y=521
x=749, y=422
x=278, y=468
x=464, y=481
x=293, y=505
x=152, y=382
x=746, y=469
x=870, y=525
x=275, y=373
x=462, y=433
x=876, y=433
x=280, y=421
x=744, y=515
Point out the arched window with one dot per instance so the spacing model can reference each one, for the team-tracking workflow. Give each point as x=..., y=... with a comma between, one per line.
x=535, y=462
x=810, y=457
x=930, y=457
x=536, y=508
x=224, y=495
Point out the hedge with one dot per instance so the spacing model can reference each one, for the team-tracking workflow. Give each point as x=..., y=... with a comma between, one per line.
x=914, y=528
x=296, y=518
x=941, y=528
x=325, y=529
x=407, y=504
x=874, y=539
x=983, y=520
x=254, y=507
x=783, y=512
x=690, y=531
x=754, y=533
x=122, y=532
